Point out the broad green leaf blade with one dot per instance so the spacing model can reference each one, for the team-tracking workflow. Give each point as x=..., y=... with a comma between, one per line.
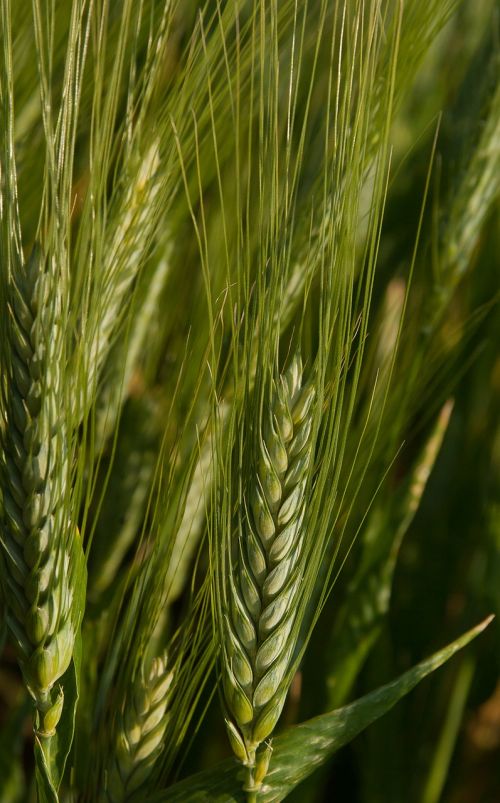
x=300, y=750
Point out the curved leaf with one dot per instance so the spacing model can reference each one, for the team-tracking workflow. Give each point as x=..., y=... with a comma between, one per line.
x=301, y=749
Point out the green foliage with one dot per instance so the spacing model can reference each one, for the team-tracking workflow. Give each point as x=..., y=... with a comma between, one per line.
x=303, y=748
x=192, y=195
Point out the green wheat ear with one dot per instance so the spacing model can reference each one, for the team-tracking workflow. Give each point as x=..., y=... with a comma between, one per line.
x=40, y=545
x=264, y=581
x=141, y=727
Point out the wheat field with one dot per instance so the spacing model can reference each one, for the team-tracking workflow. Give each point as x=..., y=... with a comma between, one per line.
x=249, y=394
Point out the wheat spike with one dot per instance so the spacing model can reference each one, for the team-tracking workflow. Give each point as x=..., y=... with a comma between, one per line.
x=41, y=549
x=125, y=250
x=266, y=575
x=140, y=731
x=190, y=529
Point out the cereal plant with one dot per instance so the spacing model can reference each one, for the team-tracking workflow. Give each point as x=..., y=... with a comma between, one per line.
x=249, y=453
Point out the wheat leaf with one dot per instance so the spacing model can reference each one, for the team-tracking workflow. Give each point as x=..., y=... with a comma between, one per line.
x=301, y=749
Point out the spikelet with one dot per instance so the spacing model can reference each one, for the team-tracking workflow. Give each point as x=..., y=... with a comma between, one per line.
x=187, y=537
x=264, y=580
x=140, y=730
x=40, y=547
x=125, y=250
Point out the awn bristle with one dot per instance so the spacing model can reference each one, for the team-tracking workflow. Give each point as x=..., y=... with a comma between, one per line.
x=264, y=581
x=140, y=732
x=41, y=548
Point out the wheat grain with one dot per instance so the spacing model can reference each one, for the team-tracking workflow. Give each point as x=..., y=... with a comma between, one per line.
x=140, y=731
x=265, y=579
x=41, y=550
